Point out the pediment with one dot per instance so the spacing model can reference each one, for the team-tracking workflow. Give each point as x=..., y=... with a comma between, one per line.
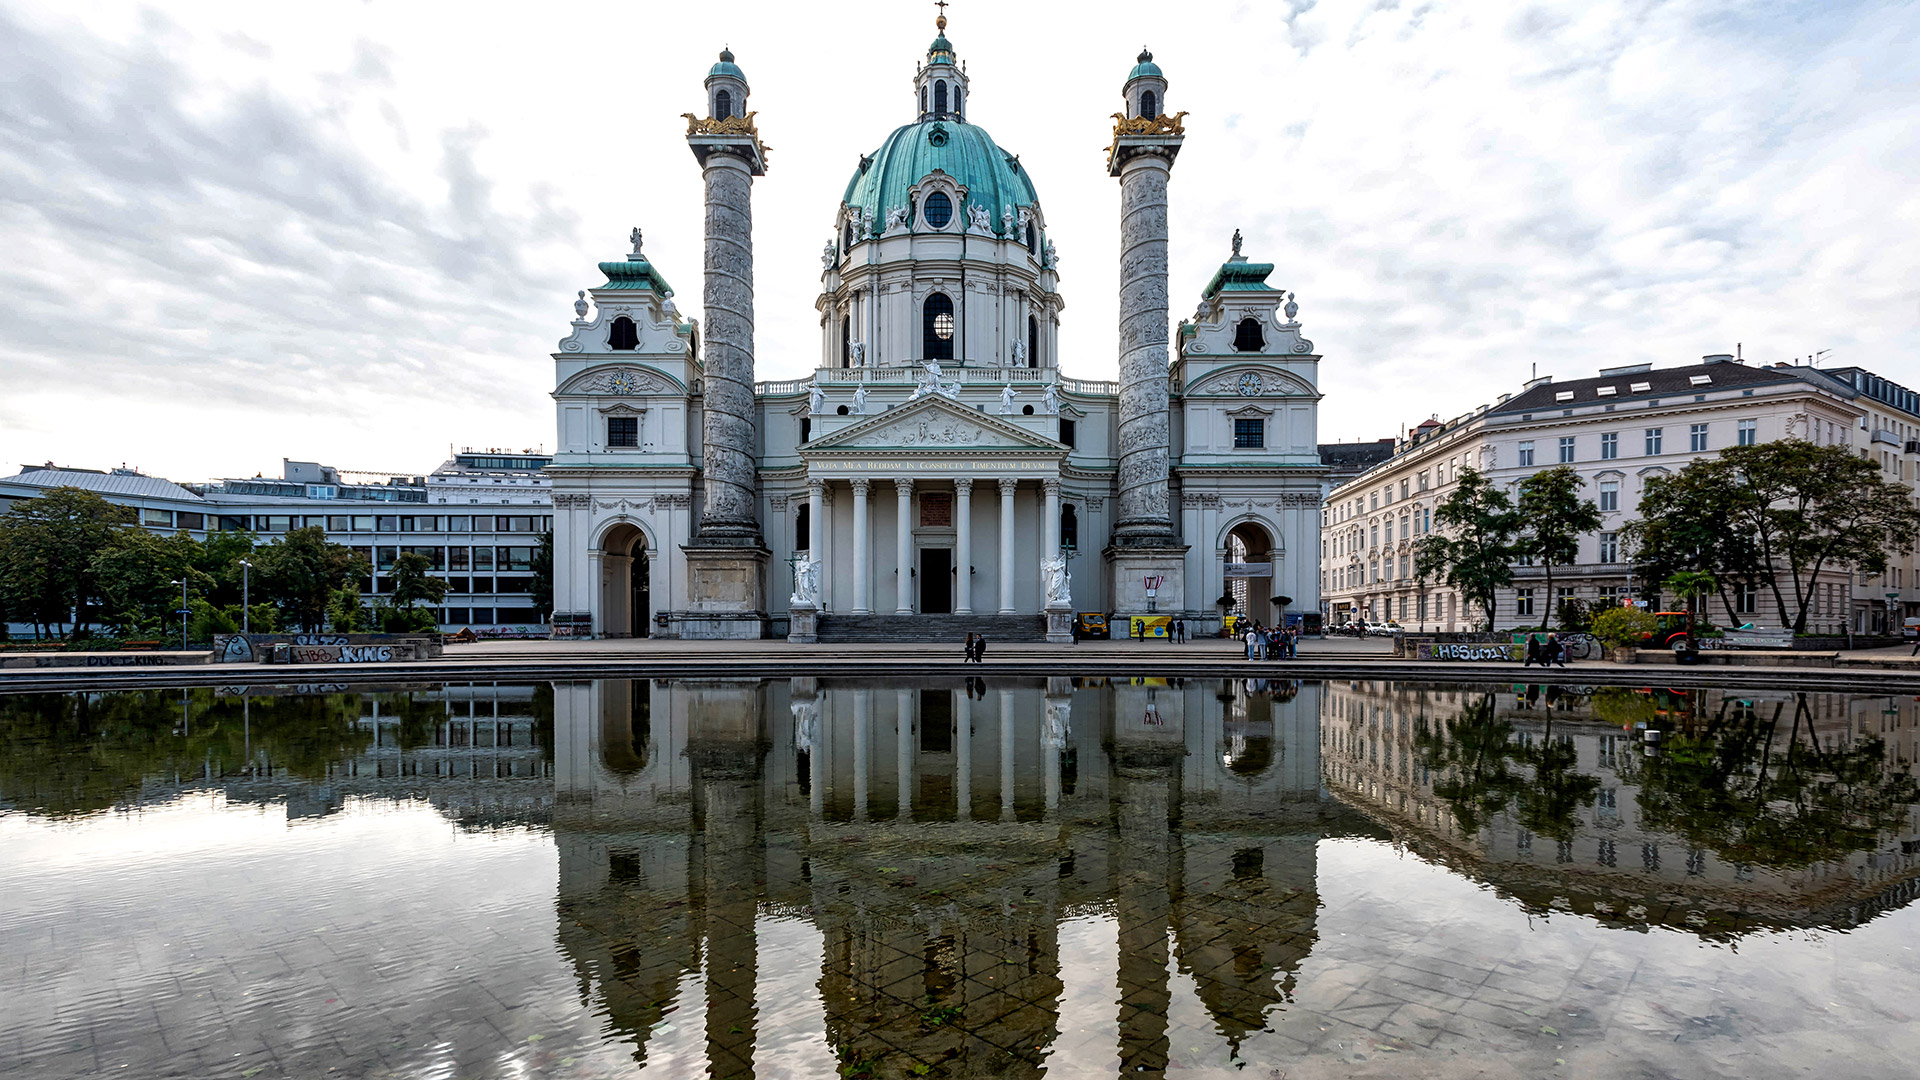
x=621, y=380
x=933, y=424
x=1248, y=380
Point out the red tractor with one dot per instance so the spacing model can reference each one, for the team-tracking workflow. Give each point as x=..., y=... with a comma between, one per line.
x=1671, y=630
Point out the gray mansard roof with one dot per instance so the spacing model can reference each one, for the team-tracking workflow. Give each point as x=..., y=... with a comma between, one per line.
x=1631, y=385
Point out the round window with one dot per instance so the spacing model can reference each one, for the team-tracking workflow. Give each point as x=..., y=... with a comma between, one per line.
x=938, y=209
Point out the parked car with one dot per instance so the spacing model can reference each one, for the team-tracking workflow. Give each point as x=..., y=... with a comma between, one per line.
x=1910, y=629
x=1671, y=630
x=1093, y=625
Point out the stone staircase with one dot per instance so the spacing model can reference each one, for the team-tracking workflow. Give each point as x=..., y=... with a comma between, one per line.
x=951, y=629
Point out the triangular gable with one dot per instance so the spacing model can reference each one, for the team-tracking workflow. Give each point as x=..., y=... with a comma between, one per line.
x=933, y=423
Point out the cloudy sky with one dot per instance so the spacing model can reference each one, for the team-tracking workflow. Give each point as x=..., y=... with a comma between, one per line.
x=236, y=232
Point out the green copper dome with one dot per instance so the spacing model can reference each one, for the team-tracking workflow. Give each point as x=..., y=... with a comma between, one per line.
x=963, y=151
x=1145, y=67
x=726, y=66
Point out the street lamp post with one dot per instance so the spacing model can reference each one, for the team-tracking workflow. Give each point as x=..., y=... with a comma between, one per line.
x=183, y=613
x=246, y=602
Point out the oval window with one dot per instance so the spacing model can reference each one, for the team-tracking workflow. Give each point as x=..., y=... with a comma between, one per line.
x=938, y=210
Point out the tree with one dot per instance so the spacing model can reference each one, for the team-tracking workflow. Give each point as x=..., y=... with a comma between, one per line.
x=1475, y=554
x=47, y=547
x=1683, y=527
x=1622, y=626
x=413, y=581
x=1794, y=511
x=137, y=574
x=301, y=573
x=543, y=575
x=1553, y=518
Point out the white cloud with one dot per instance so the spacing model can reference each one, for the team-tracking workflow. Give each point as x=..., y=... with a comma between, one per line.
x=235, y=233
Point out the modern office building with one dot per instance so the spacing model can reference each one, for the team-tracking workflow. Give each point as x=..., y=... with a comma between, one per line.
x=478, y=518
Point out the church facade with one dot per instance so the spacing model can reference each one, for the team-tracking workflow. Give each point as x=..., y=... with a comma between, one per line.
x=938, y=468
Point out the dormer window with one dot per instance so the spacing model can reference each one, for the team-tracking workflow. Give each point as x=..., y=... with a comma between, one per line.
x=623, y=336
x=1248, y=336
x=722, y=105
x=937, y=209
x=1149, y=107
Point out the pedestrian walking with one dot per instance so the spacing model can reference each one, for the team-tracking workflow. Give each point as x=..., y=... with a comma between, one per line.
x=980, y=649
x=1076, y=629
x=1554, y=652
x=969, y=653
x=1532, y=653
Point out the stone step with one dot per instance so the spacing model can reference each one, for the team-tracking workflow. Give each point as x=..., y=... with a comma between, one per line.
x=932, y=628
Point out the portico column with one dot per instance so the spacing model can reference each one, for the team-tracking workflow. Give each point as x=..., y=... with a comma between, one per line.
x=1007, y=485
x=816, y=544
x=963, y=546
x=1051, y=524
x=903, y=547
x=862, y=549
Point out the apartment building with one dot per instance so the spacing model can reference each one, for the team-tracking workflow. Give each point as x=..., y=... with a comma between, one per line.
x=1616, y=429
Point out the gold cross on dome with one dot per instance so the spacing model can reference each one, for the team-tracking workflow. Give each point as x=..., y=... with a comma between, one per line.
x=941, y=21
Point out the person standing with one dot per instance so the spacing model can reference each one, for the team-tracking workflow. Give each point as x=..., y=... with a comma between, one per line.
x=969, y=653
x=1247, y=638
x=980, y=649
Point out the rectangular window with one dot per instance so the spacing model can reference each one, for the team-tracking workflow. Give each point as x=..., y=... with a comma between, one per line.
x=1523, y=601
x=1609, y=445
x=1249, y=434
x=1609, y=495
x=156, y=519
x=1068, y=432
x=1653, y=441
x=513, y=558
x=1373, y=570
x=460, y=523
x=338, y=523
x=1697, y=438
x=457, y=558
x=386, y=523
x=1566, y=449
x=483, y=558
x=190, y=520
x=623, y=431
x=1403, y=489
x=1376, y=537
x=1744, y=598
x=1609, y=547
x=1749, y=432
x=383, y=557
x=1423, y=481
x=1526, y=452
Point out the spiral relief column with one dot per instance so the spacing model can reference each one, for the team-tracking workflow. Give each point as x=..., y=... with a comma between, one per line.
x=1145, y=545
x=727, y=558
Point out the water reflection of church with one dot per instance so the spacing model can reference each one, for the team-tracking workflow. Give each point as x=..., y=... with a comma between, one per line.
x=938, y=837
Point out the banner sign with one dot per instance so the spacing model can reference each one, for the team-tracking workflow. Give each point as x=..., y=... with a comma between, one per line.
x=1249, y=570
x=1503, y=652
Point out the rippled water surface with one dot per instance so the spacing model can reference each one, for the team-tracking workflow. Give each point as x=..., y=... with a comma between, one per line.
x=800, y=878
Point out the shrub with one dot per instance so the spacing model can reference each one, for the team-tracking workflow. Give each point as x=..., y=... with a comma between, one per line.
x=1622, y=626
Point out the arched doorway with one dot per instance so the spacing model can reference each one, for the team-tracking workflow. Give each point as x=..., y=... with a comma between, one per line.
x=625, y=607
x=1250, y=566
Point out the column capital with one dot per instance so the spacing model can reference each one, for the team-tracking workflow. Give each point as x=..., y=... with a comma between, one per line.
x=816, y=488
x=903, y=485
x=1051, y=486
x=860, y=485
x=963, y=486
x=1008, y=484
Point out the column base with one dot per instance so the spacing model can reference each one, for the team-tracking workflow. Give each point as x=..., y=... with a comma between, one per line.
x=1128, y=567
x=726, y=592
x=803, y=625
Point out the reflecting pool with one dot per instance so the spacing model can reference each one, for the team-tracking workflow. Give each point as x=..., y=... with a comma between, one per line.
x=957, y=878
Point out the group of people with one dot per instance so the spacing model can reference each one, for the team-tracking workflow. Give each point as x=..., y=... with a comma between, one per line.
x=1271, y=642
x=1545, y=653
x=976, y=647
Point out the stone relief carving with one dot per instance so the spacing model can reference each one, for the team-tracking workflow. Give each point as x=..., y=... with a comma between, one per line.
x=626, y=382
x=933, y=431
x=1299, y=499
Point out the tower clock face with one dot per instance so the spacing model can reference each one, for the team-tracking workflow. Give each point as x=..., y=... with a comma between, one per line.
x=1250, y=385
x=622, y=382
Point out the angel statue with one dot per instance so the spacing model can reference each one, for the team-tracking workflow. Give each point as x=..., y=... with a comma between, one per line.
x=806, y=585
x=977, y=215
x=1059, y=582
x=1006, y=400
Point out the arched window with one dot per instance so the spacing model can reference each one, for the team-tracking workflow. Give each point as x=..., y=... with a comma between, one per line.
x=624, y=335
x=846, y=341
x=1069, y=528
x=923, y=100
x=937, y=209
x=1248, y=338
x=802, y=528
x=959, y=106
x=936, y=327
x=1033, y=341
x=1149, y=107
x=940, y=97
x=1033, y=239
x=722, y=105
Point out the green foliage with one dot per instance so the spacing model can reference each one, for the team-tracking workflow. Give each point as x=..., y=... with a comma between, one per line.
x=543, y=575
x=1576, y=616
x=208, y=620
x=1619, y=627
x=1691, y=585
x=1552, y=519
x=346, y=614
x=1474, y=545
x=47, y=550
x=302, y=572
x=402, y=620
x=1474, y=757
x=413, y=582
x=135, y=573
